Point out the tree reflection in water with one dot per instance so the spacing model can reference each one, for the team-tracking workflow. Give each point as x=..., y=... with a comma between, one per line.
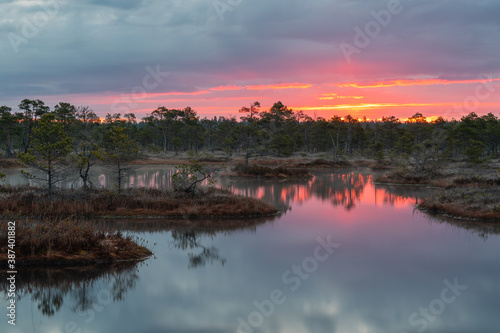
x=187, y=234
x=402, y=194
x=189, y=240
x=339, y=188
x=50, y=288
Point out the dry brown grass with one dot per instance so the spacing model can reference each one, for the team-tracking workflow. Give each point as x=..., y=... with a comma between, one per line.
x=322, y=163
x=178, y=160
x=410, y=176
x=67, y=242
x=471, y=193
x=211, y=202
x=469, y=202
x=9, y=163
x=253, y=170
x=445, y=179
x=309, y=161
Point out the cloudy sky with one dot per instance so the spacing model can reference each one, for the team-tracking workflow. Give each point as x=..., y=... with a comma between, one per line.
x=360, y=57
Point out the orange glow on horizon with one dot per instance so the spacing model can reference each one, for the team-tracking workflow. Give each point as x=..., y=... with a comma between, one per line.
x=227, y=88
x=416, y=82
x=372, y=106
x=336, y=96
x=452, y=99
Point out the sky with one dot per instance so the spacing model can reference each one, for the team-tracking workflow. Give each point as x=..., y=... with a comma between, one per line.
x=368, y=58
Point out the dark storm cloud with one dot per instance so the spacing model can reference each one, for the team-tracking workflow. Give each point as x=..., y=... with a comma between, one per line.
x=95, y=46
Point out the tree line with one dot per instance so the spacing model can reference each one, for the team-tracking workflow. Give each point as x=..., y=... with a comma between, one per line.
x=38, y=134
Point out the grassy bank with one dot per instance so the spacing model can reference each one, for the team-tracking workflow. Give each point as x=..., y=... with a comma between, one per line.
x=138, y=202
x=449, y=176
x=9, y=163
x=468, y=192
x=310, y=161
x=321, y=164
x=467, y=202
x=409, y=176
x=67, y=242
x=253, y=170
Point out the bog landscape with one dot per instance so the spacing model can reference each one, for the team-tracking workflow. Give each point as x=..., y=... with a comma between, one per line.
x=224, y=166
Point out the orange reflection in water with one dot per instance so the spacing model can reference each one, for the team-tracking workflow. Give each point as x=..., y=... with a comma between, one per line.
x=382, y=195
x=339, y=189
x=346, y=189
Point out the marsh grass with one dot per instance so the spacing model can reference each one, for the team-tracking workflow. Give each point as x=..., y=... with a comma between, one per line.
x=444, y=178
x=471, y=193
x=50, y=241
x=470, y=202
x=322, y=163
x=208, y=202
x=267, y=172
x=7, y=163
x=410, y=176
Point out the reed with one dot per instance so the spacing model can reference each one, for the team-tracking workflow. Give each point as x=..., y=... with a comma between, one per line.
x=253, y=170
x=468, y=202
x=209, y=202
x=67, y=241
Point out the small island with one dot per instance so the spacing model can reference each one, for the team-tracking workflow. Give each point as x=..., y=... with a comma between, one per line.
x=135, y=202
x=261, y=171
x=468, y=191
x=55, y=238
x=65, y=242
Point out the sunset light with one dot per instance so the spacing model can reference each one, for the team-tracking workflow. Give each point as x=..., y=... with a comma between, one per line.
x=250, y=166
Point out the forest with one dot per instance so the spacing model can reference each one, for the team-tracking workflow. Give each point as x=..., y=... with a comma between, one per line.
x=39, y=132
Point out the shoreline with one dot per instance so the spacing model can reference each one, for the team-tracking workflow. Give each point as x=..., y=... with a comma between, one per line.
x=317, y=161
x=65, y=242
x=48, y=262
x=135, y=202
x=456, y=217
x=470, y=194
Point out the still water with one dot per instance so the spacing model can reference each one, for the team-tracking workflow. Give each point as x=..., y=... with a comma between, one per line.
x=348, y=256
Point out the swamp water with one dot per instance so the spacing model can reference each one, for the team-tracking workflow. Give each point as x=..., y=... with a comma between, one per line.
x=348, y=256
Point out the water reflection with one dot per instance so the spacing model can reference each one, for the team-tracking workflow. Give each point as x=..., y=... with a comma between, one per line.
x=481, y=229
x=205, y=226
x=411, y=195
x=402, y=195
x=339, y=189
x=190, y=236
x=102, y=177
x=79, y=289
x=392, y=261
x=189, y=241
